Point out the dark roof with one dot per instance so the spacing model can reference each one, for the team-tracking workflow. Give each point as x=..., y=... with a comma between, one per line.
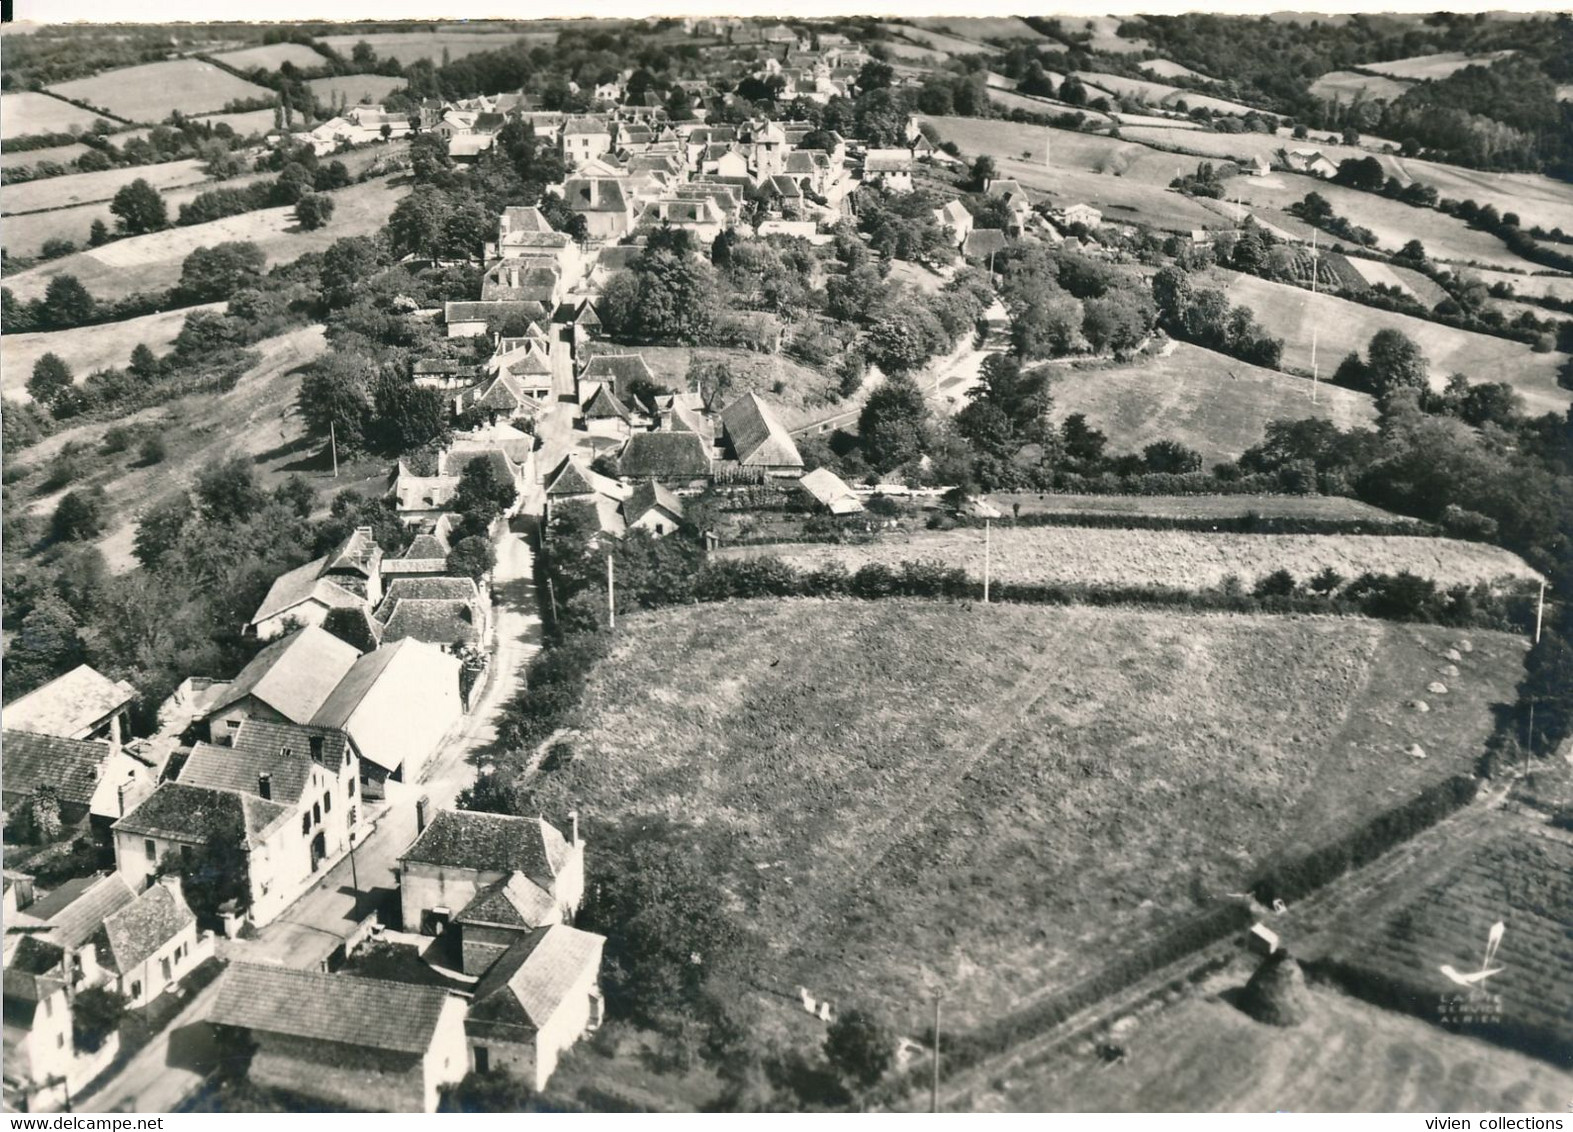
x=426, y=546
x=604, y=405
x=618, y=369
x=36, y=956
x=595, y=194
x=282, y=751
x=982, y=241
x=756, y=436
x=647, y=496
x=136, y=931
x=371, y=1013
x=530, y=981
x=494, y=312
x=433, y=620
x=664, y=455
x=182, y=812
x=71, y=766
x=570, y=480
x=72, y=924
x=293, y=675
x=48, y=907
x=515, y=901
x=450, y=588
x=466, y=839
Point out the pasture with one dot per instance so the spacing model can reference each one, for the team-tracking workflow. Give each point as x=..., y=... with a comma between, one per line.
x=356, y=88
x=1446, y=238
x=1215, y=404
x=1292, y=313
x=244, y=123
x=1554, y=286
x=272, y=56
x=409, y=46
x=59, y=154
x=25, y=113
x=1033, y=104
x=1104, y=31
x=939, y=42
x=89, y=188
x=1162, y=94
x=1437, y=66
x=1203, y=1054
x=1536, y=198
x=150, y=92
x=1406, y=279
x=1347, y=86
x=980, y=28
x=1169, y=69
x=89, y=348
x=1232, y=147
x=152, y=262
x=1188, y=560
x=998, y=799
x=1328, y=508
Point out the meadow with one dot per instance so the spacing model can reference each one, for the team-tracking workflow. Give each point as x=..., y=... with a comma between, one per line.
x=1206, y=401
x=1203, y=1054
x=1032, y=104
x=1350, y=85
x=59, y=154
x=149, y=93
x=407, y=47
x=356, y=88
x=1437, y=66
x=245, y=123
x=1074, y=779
x=1536, y=198
x=985, y=27
x=1406, y=279
x=1339, y=508
x=152, y=262
x=1169, y=69
x=1104, y=31
x=1292, y=313
x=272, y=56
x=1186, y=560
x=23, y=113
x=939, y=42
x=1161, y=94
x=1553, y=286
x=89, y=188
x=89, y=348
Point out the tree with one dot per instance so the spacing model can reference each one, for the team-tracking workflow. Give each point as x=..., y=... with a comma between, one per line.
x=405, y=416
x=227, y=491
x=47, y=643
x=43, y=815
x=1171, y=292
x=314, y=210
x=96, y=1013
x=215, y=872
x=483, y=488
x=1117, y=321
x=347, y=265
x=144, y=363
x=51, y=376
x=984, y=170
x=1171, y=456
x=1394, y=362
x=860, y=1050
x=416, y=226
x=892, y=424
x=159, y=529
x=496, y=1091
x=875, y=75
x=1073, y=91
x=429, y=160
x=97, y=233
x=66, y=303
x=211, y=274
x=78, y=516
x=139, y=208
x=472, y=557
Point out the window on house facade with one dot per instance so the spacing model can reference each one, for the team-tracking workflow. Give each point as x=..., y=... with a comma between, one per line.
x=327, y=801
x=151, y=848
x=305, y=823
x=349, y=789
x=316, y=813
x=136, y=988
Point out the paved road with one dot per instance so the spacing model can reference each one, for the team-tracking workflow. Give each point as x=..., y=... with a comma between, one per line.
x=153, y=1080
x=316, y=923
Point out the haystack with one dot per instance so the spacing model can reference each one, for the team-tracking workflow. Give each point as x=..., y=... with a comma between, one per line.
x=1276, y=994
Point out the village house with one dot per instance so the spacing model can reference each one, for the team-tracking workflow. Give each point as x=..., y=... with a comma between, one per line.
x=653, y=508
x=473, y=318
x=700, y=218
x=395, y=705
x=427, y=554
x=418, y=497
x=516, y=280
x=756, y=441
x=1312, y=161
x=354, y=1042
x=830, y=492
x=448, y=612
x=954, y=216
x=608, y=213
x=291, y=792
x=888, y=168
x=81, y=704
x=535, y=1002
x=1017, y=203
x=88, y=779
x=671, y=455
x=625, y=374
x=492, y=877
x=43, y=1068
x=348, y=578
x=585, y=138
x=1084, y=215
x=284, y=683
x=982, y=244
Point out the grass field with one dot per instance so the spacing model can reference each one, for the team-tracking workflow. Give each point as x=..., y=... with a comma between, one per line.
x=1214, y=404
x=1203, y=1054
x=1105, y=37
x=25, y=113
x=1021, y=827
x=273, y=56
x=1406, y=279
x=1555, y=286
x=1032, y=104
x=257, y=418
x=150, y=92
x=59, y=154
x=1537, y=199
x=356, y=88
x=1350, y=85
x=245, y=123
x=1169, y=69
x=1126, y=181
x=1445, y=237
x=985, y=27
x=1175, y=559
x=152, y=262
x=1291, y=313
x=88, y=348
x=1437, y=66
x=1330, y=507
x=1237, y=147
x=86, y=188
x=939, y=42
x=1161, y=94
x=410, y=46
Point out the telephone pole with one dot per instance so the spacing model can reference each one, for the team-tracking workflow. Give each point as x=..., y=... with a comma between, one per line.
x=333, y=442
x=1540, y=610
x=1313, y=318
x=611, y=585
x=987, y=527
x=934, y=1093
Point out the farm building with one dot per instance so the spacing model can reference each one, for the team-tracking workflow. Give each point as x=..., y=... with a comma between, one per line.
x=756, y=440
x=831, y=492
x=82, y=704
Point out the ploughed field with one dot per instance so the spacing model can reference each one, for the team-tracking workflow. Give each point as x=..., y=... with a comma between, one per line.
x=1173, y=559
x=1003, y=799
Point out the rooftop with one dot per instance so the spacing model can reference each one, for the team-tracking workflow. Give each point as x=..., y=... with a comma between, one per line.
x=69, y=704
x=72, y=766
x=530, y=981
x=372, y=1013
x=294, y=674
x=468, y=839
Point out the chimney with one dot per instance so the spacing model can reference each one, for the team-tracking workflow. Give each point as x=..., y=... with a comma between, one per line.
x=573, y=827
x=265, y=786
x=420, y=814
x=595, y=192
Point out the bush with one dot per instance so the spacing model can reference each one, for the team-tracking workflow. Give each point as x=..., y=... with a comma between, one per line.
x=152, y=450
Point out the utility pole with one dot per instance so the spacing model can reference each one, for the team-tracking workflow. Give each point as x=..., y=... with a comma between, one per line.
x=987, y=526
x=611, y=584
x=1540, y=610
x=551, y=592
x=1313, y=318
x=333, y=441
x=354, y=875
x=934, y=1093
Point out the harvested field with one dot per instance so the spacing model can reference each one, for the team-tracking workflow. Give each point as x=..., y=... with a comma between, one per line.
x=245, y=123
x=273, y=56
x=1204, y=1055
x=1233, y=147
x=1437, y=66
x=152, y=262
x=87, y=188
x=89, y=348
x=1291, y=313
x=985, y=27
x=59, y=154
x=1101, y=773
x=1162, y=94
x=1169, y=69
x=1332, y=508
x=410, y=46
x=25, y=113
x=939, y=42
x=1154, y=120
x=150, y=92
x=1406, y=279
x=1446, y=238
x=1206, y=401
x=356, y=88
x=1174, y=559
x=1350, y=85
